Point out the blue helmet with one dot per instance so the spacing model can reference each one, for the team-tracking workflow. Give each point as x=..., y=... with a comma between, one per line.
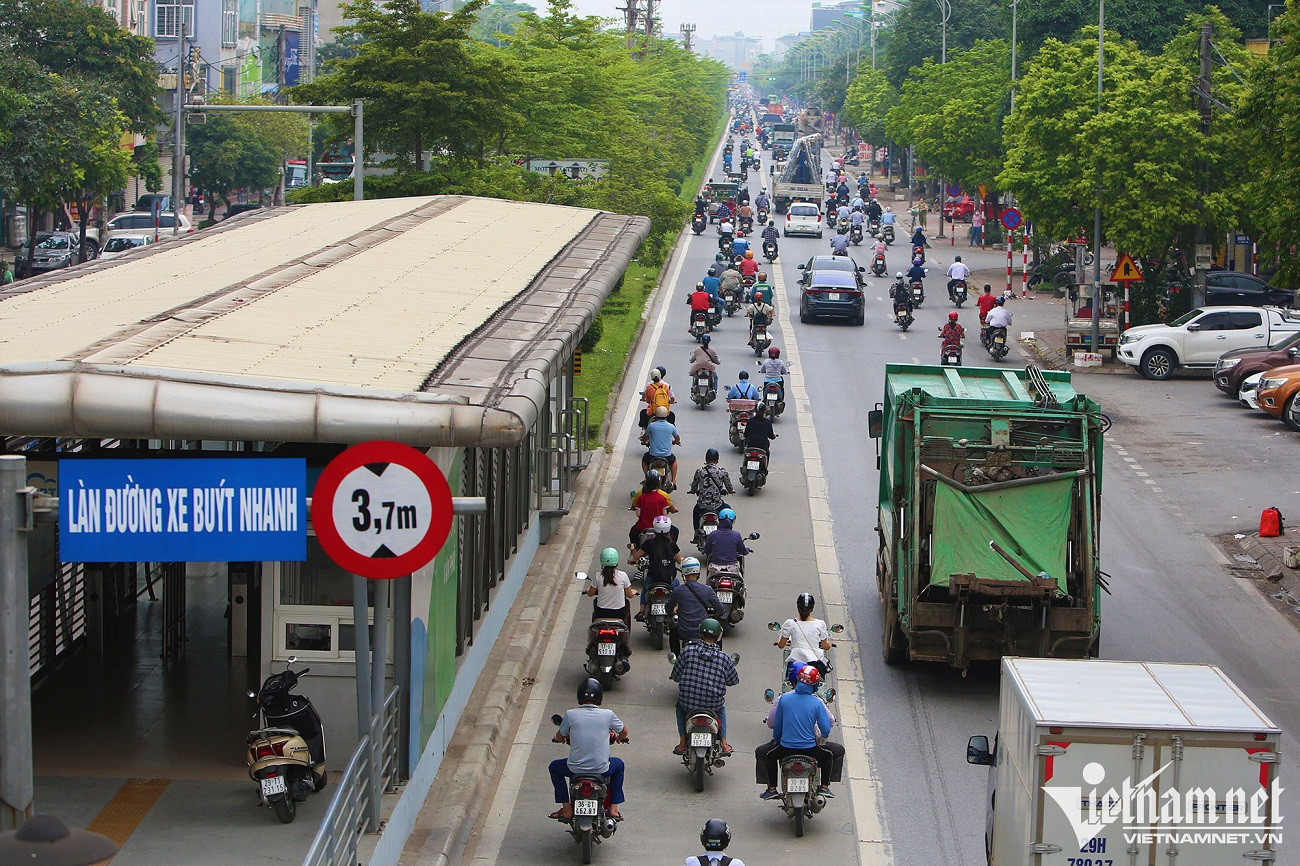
x=727, y=514
x=792, y=671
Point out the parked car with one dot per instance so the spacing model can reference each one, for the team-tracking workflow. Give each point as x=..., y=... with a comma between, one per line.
x=803, y=218
x=237, y=209
x=140, y=223
x=1248, y=391
x=842, y=264
x=53, y=251
x=1235, y=366
x=1198, y=338
x=121, y=244
x=1224, y=288
x=832, y=293
x=1278, y=389
x=146, y=202
x=961, y=209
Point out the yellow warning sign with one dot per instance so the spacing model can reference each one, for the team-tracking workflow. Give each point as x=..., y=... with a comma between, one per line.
x=1126, y=271
x=983, y=191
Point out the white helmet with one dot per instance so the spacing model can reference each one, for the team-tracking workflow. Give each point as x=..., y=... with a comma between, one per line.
x=690, y=565
x=662, y=524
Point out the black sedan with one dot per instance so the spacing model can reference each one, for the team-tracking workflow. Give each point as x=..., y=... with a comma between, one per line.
x=1228, y=288
x=834, y=264
x=832, y=293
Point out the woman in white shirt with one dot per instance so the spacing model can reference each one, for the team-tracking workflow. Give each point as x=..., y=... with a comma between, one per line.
x=612, y=590
x=807, y=637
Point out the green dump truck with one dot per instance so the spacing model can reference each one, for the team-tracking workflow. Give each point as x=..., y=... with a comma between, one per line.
x=989, y=514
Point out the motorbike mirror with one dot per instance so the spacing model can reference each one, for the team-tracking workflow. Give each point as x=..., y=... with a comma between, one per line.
x=837, y=629
x=735, y=657
x=293, y=660
x=672, y=658
x=829, y=695
x=774, y=626
x=556, y=719
x=753, y=536
x=252, y=694
x=580, y=575
x=769, y=695
x=801, y=267
x=861, y=269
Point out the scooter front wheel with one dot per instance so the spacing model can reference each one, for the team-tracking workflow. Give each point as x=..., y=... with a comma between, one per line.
x=286, y=808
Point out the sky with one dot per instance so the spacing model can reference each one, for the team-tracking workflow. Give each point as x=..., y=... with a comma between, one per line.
x=767, y=19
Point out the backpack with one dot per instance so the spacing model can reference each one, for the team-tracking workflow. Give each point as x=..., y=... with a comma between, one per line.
x=1270, y=523
x=659, y=397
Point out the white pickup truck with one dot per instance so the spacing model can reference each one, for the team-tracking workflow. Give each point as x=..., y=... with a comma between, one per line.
x=1112, y=763
x=1196, y=339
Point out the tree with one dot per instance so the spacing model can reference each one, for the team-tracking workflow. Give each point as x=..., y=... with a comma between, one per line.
x=426, y=87
x=500, y=18
x=226, y=155
x=870, y=98
x=917, y=33
x=1271, y=118
x=953, y=113
x=97, y=164
x=1150, y=25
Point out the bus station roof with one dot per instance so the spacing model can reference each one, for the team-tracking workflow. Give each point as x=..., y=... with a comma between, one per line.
x=438, y=320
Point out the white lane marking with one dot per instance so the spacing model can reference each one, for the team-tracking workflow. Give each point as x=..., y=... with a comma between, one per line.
x=496, y=819
x=864, y=786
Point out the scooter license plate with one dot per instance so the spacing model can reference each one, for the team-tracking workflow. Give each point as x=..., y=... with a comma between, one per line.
x=796, y=785
x=725, y=597
x=274, y=785
x=753, y=464
x=589, y=808
x=606, y=649
x=705, y=740
x=659, y=610
x=833, y=296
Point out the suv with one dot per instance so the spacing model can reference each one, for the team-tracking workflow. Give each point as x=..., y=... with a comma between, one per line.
x=1237, y=365
x=146, y=202
x=1199, y=338
x=1228, y=288
x=137, y=222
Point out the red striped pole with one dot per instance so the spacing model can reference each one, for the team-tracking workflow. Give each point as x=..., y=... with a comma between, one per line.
x=1011, y=238
x=1024, y=262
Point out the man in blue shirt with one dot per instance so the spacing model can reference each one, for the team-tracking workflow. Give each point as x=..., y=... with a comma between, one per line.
x=743, y=389
x=702, y=673
x=713, y=285
x=739, y=246
x=840, y=244
x=660, y=436
x=799, y=718
x=586, y=729
x=725, y=546
x=888, y=217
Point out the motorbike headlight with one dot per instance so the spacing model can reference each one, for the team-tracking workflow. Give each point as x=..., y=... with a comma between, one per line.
x=1266, y=384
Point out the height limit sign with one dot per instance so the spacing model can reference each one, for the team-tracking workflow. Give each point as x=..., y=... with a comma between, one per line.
x=381, y=509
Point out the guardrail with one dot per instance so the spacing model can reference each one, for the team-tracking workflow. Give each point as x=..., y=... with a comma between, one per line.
x=354, y=809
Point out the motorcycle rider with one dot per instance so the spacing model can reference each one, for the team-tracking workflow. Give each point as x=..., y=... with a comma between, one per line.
x=985, y=302
x=742, y=196
x=843, y=213
x=874, y=211
x=659, y=438
x=762, y=202
x=692, y=602
x=701, y=302
x=792, y=669
x=956, y=271
x=760, y=314
x=748, y=265
x=772, y=233
x=800, y=716
x=952, y=333
x=762, y=290
x=715, y=837
x=612, y=592
x=706, y=358
x=739, y=246
x=726, y=234
x=840, y=243
x=774, y=369
x=719, y=264
x=662, y=557
x=888, y=218
x=729, y=283
x=650, y=503
x=586, y=729
x=918, y=238
x=710, y=484
x=713, y=285
x=807, y=636
x=701, y=205
x=725, y=545
x=745, y=217
x=902, y=296
x=657, y=393
x=759, y=432
x=743, y=389
x=999, y=316
x=916, y=274
x=723, y=213
x=703, y=672
x=863, y=182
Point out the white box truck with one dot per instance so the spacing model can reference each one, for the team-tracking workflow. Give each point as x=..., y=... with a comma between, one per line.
x=1117, y=763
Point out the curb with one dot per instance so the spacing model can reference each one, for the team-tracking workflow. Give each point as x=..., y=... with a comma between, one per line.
x=486, y=730
x=1269, y=562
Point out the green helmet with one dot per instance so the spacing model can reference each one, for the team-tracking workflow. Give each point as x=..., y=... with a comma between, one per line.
x=711, y=628
x=608, y=556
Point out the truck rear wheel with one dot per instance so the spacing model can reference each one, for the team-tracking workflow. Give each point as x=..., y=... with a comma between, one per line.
x=894, y=643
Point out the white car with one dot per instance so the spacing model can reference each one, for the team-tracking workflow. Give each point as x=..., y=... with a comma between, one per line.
x=1197, y=339
x=1248, y=392
x=142, y=223
x=119, y=244
x=803, y=218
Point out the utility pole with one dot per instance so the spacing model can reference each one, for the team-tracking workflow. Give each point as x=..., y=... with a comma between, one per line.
x=688, y=31
x=649, y=21
x=1095, y=344
x=178, y=140
x=1203, y=94
x=630, y=13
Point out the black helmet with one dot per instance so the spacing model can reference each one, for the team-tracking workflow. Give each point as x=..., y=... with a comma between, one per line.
x=663, y=371
x=1000, y=301
x=715, y=836
x=805, y=603
x=590, y=692
x=711, y=455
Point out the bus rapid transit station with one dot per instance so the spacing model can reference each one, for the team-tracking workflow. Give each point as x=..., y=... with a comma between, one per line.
x=447, y=323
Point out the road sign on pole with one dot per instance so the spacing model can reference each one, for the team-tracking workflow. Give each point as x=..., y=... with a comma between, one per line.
x=1126, y=270
x=1011, y=219
x=381, y=509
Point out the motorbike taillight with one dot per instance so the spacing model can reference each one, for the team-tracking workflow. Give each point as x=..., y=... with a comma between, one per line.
x=607, y=632
x=724, y=583
x=702, y=721
x=796, y=767
x=263, y=751
x=587, y=788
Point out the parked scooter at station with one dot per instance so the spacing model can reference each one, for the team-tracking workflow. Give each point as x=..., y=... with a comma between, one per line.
x=286, y=754
x=607, y=647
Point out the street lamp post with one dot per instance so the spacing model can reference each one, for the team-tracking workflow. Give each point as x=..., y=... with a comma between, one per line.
x=945, y=12
x=1096, y=225
x=1014, y=4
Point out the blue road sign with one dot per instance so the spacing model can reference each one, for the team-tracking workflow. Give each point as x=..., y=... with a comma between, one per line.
x=183, y=510
x=744, y=77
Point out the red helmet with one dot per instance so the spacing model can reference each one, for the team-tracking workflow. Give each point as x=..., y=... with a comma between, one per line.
x=774, y=352
x=952, y=317
x=810, y=675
